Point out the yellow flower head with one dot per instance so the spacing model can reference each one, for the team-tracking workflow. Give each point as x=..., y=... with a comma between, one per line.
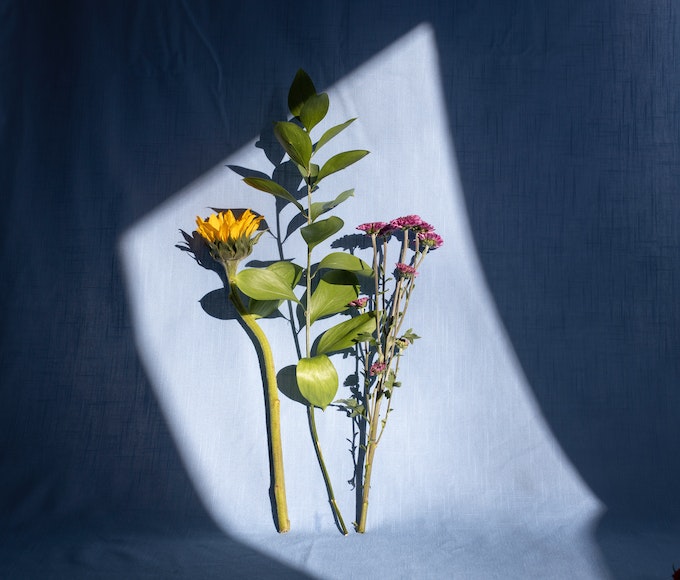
x=230, y=238
x=224, y=227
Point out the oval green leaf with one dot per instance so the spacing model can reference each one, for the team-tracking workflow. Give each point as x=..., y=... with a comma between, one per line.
x=289, y=272
x=263, y=284
x=332, y=132
x=317, y=232
x=317, y=380
x=295, y=141
x=300, y=90
x=345, y=334
x=263, y=308
x=314, y=110
x=333, y=293
x=340, y=161
x=269, y=186
x=319, y=207
x=343, y=261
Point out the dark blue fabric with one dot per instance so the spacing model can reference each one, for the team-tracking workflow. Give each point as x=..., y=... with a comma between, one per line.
x=566, y=130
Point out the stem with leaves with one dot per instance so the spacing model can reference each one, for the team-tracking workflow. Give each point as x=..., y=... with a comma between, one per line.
x=310, y=408
x=331, y=284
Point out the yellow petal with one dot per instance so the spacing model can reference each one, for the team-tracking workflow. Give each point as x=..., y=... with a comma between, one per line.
x=205, y=229
x=214, y=220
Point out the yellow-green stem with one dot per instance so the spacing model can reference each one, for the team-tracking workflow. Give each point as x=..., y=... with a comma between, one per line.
x=273, y=412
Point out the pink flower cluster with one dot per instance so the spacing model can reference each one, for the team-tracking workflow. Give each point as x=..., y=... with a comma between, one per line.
x=406, y=270
x=415, y=223
x=359, y=302
x=377, y=368
x=372, y=228
x=411, y=222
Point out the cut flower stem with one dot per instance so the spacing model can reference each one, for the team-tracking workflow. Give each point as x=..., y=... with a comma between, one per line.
x=272, y=410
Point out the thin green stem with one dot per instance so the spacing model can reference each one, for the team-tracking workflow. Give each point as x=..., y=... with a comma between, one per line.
x=273, y=412
x=327, y=480
x=378, y=301
x=310, y=408
x=368, y=470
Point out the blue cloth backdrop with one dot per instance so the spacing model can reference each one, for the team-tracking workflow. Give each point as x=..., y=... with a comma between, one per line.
x=535, y=435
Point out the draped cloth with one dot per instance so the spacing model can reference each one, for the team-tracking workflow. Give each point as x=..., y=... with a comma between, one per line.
x=534, y=432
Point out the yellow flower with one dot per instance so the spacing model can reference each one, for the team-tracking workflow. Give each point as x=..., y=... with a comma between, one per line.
x=224, y=227
x=229, y=238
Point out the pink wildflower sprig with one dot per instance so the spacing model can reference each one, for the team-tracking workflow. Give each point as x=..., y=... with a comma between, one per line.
x=359, y=302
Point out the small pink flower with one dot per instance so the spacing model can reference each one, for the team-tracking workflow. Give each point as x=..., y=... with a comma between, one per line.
x=386, y=230
x=377, y=368
x=406, y=270
x=359, y=302
x=411, y=222
x=430, y=239
x=372, y=228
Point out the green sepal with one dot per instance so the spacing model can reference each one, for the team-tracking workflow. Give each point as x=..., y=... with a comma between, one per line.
x=314, y=110
x=346, y=334
x=344, y=261
x=317, y=380
x=301, y=89
x=269, y=186
x=332, y=132
x=340, y=161
x=333, y=293
x=317, y=232
x=263, y=284
x=320, y=207
x=295, y=142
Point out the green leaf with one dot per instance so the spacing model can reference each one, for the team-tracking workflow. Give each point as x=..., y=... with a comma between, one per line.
x=313, y=172
x=317, y=232
x=319, y=207
x=263, y=308
x=314, y=110
x=295, y=141
x=343, y=261
x=301, y=89
x=346, y=334
x=272, y=187
x=410, y=336
x=289, y=272
x=340, y=161
x=352, y=407
x=317, y=380
x=332, y=132
x=390, y=383
x=264, y=284
x=287, y=384
x=333, y=293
